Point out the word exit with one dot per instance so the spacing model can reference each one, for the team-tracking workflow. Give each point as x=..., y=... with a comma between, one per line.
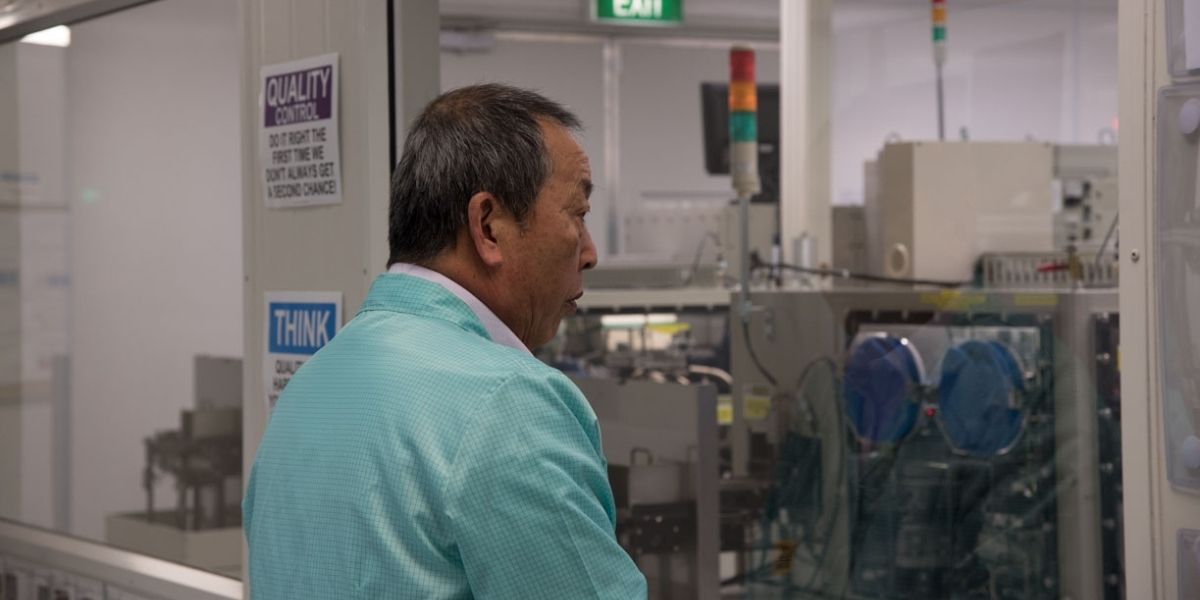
x=638, y=9
x=640, y=12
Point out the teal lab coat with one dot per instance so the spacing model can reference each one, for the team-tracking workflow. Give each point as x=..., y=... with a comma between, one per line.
x=412, y=457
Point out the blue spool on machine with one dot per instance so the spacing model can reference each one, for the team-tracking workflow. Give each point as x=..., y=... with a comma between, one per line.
x=880, y=374
x=977, y=398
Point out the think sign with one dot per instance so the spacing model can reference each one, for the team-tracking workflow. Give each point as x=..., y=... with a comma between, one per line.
x=639, y=12
x=298, y=325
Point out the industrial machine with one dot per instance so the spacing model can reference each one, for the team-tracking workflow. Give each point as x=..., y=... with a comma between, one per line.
x=1057, y=201
x=892, y=439
x=660, y=440
x=1087, y=216
x=889, y=439
x=876, y=443
x=996, y=196
x=968, y=441
x=203, y=460
x=948, y=426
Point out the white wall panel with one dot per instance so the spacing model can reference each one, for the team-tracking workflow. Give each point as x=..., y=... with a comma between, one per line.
x=662, y=138
x=329, y=248
x=1014, y=70
x=569, y=70
x=655, y=119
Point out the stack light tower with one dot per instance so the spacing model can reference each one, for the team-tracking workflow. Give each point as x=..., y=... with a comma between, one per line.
x=743, y=152
x=939, y=60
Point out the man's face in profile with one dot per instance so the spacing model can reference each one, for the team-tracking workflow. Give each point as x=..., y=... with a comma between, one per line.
x=554, y=247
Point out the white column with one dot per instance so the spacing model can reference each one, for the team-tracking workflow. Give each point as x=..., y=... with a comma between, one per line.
x=1135, y=152
x=330, y=248
x=806, y=49
x=10, y=308
x=1154, y=510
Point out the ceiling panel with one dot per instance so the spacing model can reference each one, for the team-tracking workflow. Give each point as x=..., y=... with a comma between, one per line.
x=761, y=15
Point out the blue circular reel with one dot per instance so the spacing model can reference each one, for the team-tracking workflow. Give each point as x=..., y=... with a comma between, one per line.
x=977, y=398
x=880, y=374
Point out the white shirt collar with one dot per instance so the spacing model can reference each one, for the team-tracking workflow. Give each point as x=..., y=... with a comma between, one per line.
x=496, y=329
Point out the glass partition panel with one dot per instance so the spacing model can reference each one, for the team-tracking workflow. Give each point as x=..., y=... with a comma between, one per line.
x=121, y=281
x=567, y=68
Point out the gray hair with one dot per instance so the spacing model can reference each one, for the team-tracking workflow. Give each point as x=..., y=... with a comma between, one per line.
x=481, y=138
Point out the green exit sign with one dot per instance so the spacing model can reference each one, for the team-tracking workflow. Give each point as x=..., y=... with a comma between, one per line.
x=639, y=12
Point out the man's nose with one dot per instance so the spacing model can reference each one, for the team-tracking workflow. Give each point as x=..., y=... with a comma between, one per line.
x=588, y=256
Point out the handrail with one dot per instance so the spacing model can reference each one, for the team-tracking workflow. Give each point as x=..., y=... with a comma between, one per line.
x=124, y=569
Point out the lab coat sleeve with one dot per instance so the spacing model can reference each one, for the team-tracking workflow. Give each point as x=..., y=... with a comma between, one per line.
x=529, y=501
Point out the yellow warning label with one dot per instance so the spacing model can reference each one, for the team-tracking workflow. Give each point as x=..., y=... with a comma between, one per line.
x=787, y=553
x=756, y=402
x=953, y=300
x=725, y=414
x=1035, y=300
x=757, y=408
x=669, y=328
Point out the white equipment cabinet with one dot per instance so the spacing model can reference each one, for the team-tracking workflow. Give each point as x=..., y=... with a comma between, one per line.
x=939, y=205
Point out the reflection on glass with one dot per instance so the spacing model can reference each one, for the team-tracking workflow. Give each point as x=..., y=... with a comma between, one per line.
x=965, y=504
x=1178, y=282
x=59, y=35
x=120, y=281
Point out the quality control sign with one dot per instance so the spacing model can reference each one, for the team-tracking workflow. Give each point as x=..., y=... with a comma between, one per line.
x=298, y=140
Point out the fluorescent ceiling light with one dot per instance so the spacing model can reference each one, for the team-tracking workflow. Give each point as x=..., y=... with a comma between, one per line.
x=55, y=36
x=463, y=42
x=636, y=321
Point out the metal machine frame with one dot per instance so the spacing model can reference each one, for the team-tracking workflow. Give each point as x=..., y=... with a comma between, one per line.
x=661, y=444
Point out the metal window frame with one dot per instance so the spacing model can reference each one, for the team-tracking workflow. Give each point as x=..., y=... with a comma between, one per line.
x=25, y=17
x=129, y=571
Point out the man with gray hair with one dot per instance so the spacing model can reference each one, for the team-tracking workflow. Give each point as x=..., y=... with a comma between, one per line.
x=424, y=452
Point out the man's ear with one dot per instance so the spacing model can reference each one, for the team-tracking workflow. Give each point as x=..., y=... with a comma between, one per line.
x=488, y=223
